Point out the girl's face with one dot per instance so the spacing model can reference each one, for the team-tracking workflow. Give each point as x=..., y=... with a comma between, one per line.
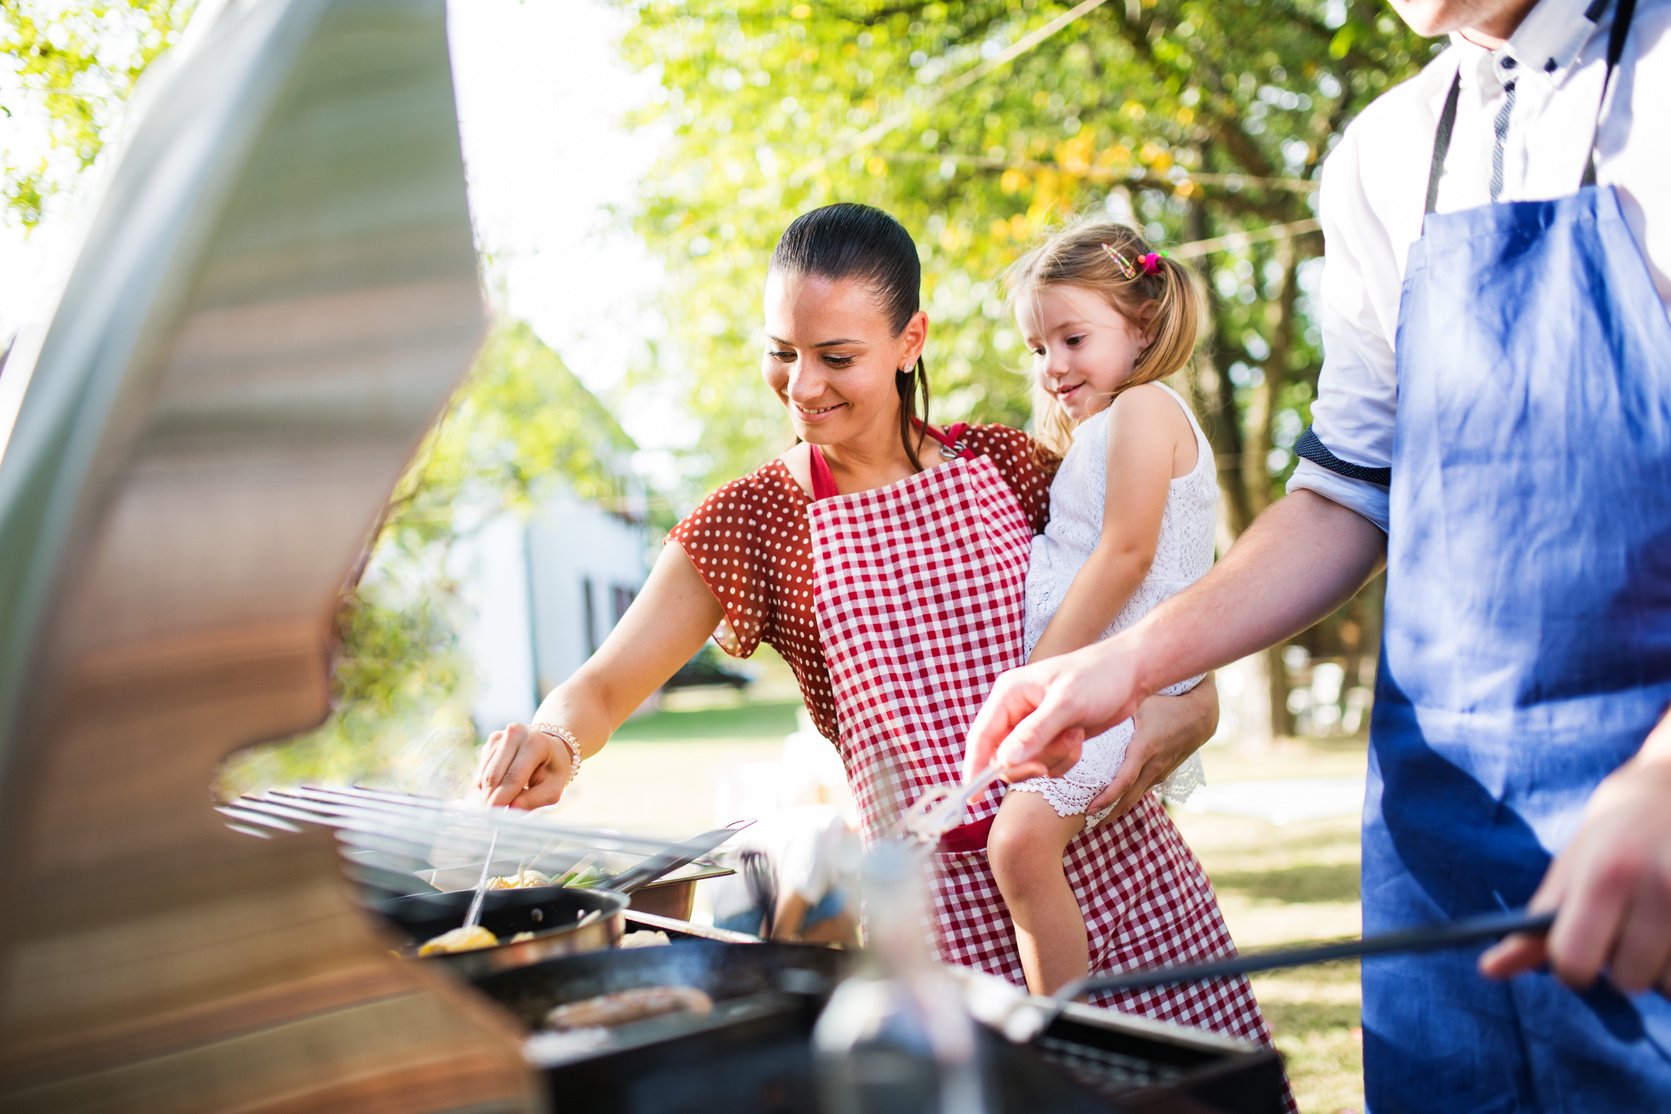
x=1083, y=348
x=832, y=356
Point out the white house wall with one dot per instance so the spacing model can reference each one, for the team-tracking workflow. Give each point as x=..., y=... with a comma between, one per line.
x=491, y=567
x=526, y=583
x=570, y=545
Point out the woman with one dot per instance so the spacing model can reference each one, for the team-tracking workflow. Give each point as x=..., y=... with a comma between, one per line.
x=885, y=560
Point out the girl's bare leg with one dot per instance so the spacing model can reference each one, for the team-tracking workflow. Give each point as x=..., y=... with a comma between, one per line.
x=1025, y=847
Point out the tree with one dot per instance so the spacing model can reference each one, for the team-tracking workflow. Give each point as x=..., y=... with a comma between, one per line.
x=398, y=681
x=74, y=66
x=982, y=125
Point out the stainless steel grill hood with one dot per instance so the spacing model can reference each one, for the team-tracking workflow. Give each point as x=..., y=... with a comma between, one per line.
x=274, y=299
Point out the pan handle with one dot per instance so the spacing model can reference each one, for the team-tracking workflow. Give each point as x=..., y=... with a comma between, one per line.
x=671, y=858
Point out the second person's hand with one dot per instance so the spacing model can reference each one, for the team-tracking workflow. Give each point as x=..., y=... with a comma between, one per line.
x=522, y=768
x=1611, y=885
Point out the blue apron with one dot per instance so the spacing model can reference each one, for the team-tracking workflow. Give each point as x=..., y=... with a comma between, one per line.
x=1527, y=645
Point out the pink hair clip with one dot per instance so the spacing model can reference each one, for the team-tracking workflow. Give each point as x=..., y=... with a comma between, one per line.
x=1121, y=262
x=1151, y=263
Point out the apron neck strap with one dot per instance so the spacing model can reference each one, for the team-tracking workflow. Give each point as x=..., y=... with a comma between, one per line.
x=951, y=440
x=1447, y=116
x=823, y=480
x=1442, y=142
x=1615, y=51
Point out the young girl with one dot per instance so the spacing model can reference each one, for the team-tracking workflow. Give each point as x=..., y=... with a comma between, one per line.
x=1132, y=514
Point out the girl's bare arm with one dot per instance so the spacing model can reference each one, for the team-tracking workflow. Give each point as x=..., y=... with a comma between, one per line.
x=1146, y=432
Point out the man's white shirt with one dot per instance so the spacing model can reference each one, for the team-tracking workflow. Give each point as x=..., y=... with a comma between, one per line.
x=1375, y=184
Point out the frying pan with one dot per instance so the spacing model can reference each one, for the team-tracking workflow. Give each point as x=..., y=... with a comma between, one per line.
x=722, y=971
x=562, y=920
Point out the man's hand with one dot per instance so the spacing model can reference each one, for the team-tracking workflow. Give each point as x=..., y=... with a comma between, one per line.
x=1611, y=887
x=1038, y=717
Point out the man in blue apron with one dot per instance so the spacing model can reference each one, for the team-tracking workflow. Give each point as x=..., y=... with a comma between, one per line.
x=1496, y=399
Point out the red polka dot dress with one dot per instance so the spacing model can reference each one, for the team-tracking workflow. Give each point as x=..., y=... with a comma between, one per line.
x=898, y=608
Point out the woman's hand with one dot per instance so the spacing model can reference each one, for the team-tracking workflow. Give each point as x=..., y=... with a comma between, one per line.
x=1611, y=888
x=1165, y=732
x=523, y=768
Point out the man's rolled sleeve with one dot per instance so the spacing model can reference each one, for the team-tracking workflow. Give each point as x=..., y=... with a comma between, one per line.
x=1367, y=498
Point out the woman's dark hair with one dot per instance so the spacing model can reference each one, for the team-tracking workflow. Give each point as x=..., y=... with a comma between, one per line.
x=849, y=241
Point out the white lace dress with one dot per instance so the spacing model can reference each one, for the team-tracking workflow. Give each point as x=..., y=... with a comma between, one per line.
x=1183, y=554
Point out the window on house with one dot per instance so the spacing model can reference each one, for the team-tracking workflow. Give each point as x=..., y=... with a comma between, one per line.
x=588, y=615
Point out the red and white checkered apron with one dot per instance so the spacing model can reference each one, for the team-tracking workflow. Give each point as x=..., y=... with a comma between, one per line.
x=919, y=588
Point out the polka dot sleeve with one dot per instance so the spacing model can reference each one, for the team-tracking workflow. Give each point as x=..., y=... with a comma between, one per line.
x=721, y=540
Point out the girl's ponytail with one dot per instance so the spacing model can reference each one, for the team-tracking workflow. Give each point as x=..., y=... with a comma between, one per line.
x=1172, y=318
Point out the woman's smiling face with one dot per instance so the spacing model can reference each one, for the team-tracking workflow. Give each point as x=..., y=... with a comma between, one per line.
x=832, y=357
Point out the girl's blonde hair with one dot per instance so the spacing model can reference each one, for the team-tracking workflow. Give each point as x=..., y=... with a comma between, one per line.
x=1157, y=294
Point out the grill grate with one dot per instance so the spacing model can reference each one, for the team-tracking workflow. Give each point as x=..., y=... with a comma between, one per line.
x=1105, y=1072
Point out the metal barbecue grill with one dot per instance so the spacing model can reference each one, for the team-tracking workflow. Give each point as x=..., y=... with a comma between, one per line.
x=399, y=844
x=753, y=1052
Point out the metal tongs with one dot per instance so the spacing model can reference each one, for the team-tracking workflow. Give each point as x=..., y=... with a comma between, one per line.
x=940, y=810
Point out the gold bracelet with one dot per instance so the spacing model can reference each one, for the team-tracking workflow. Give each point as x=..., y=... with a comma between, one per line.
x=558, y=731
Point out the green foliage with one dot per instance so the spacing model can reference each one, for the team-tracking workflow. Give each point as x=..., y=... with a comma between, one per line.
x=521, y=421
x=74, y=65
x=983, y=126
x=1203, y=119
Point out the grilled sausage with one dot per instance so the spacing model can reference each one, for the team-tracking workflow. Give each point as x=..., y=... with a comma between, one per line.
x=628, y=1005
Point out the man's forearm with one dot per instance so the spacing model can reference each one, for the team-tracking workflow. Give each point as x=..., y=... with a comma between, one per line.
x=1301, y=559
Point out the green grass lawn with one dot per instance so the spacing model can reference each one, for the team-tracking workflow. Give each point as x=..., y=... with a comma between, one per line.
x=704, y=716
x=1298, y=882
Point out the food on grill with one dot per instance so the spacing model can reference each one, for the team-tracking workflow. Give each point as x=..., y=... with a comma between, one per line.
x=628, y=1005
x=462, y=939
x=581, y=877
x=520, y=880
x=644, y=938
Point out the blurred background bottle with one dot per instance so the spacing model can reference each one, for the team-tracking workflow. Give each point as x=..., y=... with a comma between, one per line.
x=896, y=1037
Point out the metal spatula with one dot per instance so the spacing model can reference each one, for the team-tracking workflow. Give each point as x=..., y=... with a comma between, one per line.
x=1026, y=1017
x=940, y=810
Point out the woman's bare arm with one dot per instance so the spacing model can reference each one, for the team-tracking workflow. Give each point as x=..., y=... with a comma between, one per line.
x=666, y=624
